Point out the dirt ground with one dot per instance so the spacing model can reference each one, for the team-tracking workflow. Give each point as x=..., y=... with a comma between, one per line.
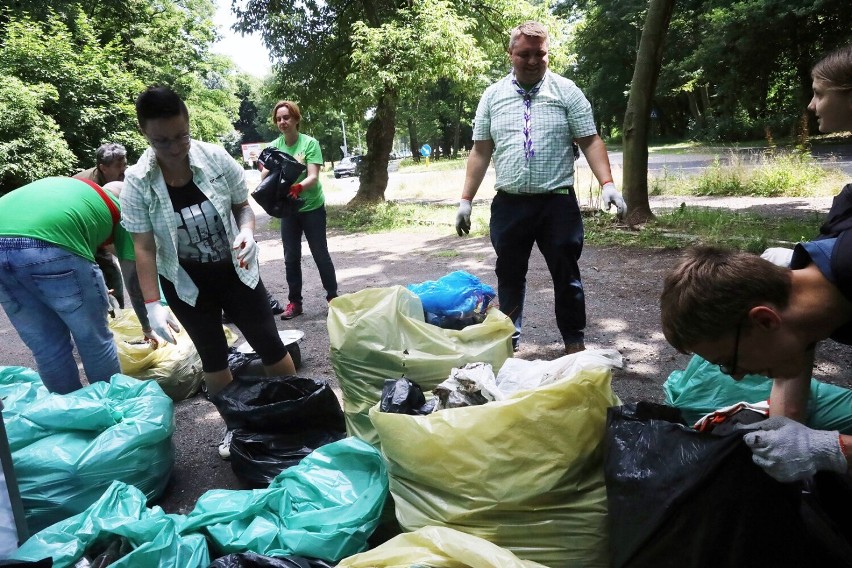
x=622, y=290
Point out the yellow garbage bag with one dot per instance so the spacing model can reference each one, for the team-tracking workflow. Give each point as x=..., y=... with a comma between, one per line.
x=176, y=368
x=525, y=473
x=436, y=547
x=380, y=333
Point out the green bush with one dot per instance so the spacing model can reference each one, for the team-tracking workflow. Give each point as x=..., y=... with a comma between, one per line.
x=31, y=143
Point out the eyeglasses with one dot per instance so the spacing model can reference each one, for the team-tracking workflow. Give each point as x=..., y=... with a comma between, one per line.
x=165, y=144
x=732, y=368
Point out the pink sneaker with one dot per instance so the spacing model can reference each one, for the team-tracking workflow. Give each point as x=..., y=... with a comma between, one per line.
x=292, y=310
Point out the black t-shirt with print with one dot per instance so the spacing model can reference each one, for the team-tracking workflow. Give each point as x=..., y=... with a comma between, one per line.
x=201, y=232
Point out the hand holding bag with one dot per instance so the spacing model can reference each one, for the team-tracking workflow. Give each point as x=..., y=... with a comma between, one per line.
x=273, y=191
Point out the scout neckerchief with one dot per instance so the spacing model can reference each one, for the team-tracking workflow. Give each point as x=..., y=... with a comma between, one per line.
x=527, y=97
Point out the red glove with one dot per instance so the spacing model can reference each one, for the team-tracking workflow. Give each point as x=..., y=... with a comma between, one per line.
x=295, y=190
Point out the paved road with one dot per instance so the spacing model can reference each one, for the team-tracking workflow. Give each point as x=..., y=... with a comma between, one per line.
x=839, y=156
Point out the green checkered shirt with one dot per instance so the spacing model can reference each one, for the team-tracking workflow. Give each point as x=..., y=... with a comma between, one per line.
x=146, y=206
x=560, y=113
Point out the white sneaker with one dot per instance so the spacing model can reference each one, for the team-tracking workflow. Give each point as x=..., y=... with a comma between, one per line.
x=225, y=446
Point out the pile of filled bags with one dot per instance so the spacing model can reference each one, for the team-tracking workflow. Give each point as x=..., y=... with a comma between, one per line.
x=466, y=456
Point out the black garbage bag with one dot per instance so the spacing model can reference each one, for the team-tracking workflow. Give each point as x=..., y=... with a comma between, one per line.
x=258, y=457
x=681, y=498
x=239, y=361
x=403, y=396
x=252, y=560
x=272, y=193
x=276, y=422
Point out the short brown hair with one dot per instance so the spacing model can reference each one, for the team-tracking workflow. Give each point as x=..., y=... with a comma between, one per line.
x=529, y=29
x=711, y=289
x=835, y=69
x=292, y=107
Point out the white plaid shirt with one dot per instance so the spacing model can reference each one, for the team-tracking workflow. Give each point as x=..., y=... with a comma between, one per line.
x=560, y=113
x=146, y=206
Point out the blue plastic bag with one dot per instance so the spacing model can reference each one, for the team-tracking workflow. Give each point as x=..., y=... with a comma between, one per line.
x=454, y=300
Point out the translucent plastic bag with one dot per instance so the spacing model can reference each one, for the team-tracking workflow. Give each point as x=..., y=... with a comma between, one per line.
x=119, y=512
x=702, y=388
x=380, y=333
x=525, y=473
x=176, y=367
x=437, y=547
x=107, y=431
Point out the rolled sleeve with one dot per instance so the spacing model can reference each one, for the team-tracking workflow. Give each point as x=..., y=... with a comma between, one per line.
x=134, y=206
x=482, y=121
x=235, y=177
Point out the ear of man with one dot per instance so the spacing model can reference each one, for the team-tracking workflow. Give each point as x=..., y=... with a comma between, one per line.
x=765, y=317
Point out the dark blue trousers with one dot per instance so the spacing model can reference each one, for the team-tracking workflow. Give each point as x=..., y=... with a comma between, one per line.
x=553, y=222
x=313, y=225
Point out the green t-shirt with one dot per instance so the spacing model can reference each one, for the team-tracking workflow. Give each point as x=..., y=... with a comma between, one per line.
x=66, y=212
x=306, y=150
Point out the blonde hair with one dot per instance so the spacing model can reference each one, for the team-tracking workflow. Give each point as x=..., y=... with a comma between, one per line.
x=529, y=29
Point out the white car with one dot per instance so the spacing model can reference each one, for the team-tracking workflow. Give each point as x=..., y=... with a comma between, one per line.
x=346, y=166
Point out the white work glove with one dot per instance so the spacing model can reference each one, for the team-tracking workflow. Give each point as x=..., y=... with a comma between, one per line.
x=247, y=246
x=162, y=321
x=610, y=196
x=779, y=256
x=788, y=450
x=463, y=217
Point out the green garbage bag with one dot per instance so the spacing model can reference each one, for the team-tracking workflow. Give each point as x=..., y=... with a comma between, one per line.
x=703, y=388
x=380, y=333
x=437, y=547
x=524, y=473
x=120, y=512
x=325, y=507
x=68, y=449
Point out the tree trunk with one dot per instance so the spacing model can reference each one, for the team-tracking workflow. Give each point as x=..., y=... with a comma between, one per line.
x=380, y=133
x=693, y=108
x=637, y=119
x=413, y=144
x=457, y=128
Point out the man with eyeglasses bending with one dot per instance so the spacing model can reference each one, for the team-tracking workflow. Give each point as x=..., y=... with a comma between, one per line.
x=750, y=316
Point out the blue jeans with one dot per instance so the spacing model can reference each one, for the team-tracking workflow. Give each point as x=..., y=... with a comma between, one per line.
x=312, y=224
x=553, y=222
x=51, y=295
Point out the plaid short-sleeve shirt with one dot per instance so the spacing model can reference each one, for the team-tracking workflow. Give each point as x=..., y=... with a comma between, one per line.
x=146, y=207
x=559, y=113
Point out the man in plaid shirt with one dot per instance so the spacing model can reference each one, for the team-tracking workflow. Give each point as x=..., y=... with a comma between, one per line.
x=527, y=122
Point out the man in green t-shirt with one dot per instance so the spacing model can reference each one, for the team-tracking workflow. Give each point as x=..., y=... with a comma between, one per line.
x=50, y=287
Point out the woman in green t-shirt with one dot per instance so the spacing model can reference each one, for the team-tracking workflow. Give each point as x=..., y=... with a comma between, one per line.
x=311, y=218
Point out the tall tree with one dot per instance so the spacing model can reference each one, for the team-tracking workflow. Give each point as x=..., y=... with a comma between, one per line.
x=370, y=55
x=638, y=115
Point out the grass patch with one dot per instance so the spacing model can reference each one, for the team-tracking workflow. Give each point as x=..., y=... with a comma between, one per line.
x=703, y=225
x=769, y=174
x=674, y=229
x=394, y=216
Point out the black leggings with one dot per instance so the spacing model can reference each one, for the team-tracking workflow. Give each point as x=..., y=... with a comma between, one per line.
x=219, y=288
